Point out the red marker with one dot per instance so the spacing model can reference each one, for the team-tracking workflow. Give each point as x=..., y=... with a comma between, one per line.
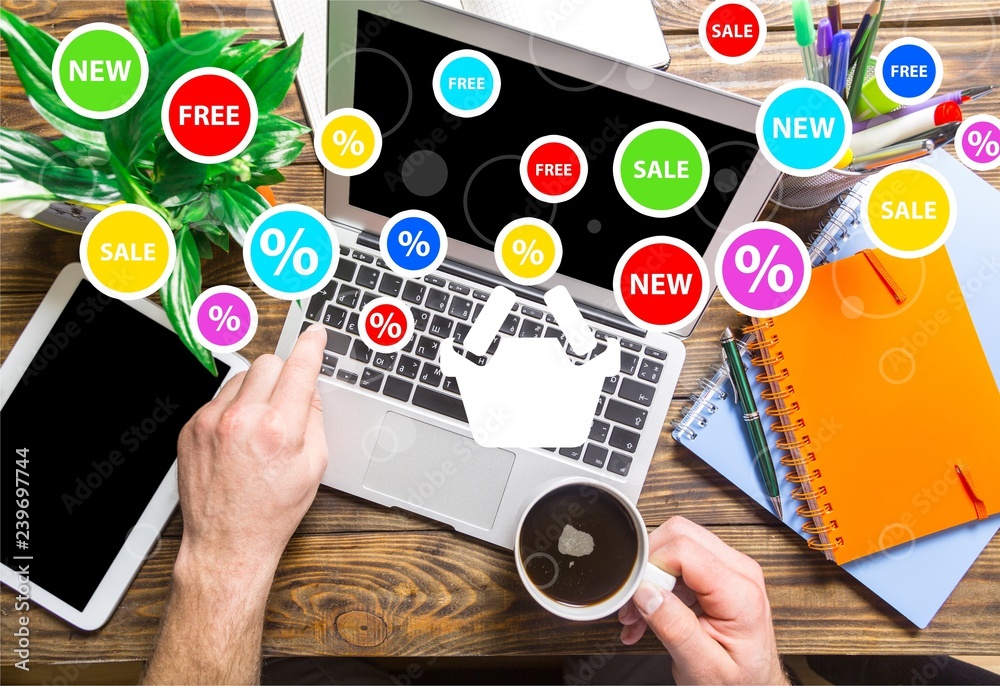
x=901, y=129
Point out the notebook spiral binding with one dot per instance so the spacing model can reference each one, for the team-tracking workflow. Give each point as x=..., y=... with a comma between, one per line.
x=842, y=222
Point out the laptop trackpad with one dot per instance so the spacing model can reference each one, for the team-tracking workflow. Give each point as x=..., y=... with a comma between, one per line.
x=438, y=470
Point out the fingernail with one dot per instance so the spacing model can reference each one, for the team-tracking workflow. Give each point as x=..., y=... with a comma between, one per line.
x=622, y=612
x=624, y=631
x=315, y=327
x=648, y=598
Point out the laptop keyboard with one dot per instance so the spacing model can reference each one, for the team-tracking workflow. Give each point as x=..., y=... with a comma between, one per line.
x=443, y=310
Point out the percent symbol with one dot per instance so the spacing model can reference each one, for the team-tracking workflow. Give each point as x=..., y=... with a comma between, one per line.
x=773, y=273
x=348, y=143
x=386, y=324
x=983, y=142
x=304, y=260
x=411, y=243
x=229, y=320
x=527, y=251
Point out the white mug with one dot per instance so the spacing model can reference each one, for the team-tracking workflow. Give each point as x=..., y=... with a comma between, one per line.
x=641, y=570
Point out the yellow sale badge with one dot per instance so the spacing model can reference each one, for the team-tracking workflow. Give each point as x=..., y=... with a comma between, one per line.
x=127, y=251
x=910, y=210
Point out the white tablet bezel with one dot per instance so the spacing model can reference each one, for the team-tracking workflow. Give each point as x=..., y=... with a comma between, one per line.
x=161, y=506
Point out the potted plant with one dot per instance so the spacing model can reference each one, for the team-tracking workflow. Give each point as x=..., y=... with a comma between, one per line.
x=127, y=158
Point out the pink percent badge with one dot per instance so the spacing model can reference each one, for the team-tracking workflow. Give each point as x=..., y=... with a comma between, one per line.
x=224, y=319
x=763, y=269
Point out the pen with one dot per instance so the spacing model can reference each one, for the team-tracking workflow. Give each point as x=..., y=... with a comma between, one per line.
x=838, y=62
x=898, y=130
x=861, y=66
x=824, y=45
x=744, y=397
x=862, y=32
x=805, y=36
x=942, y=135
x=894, y=154
x=957, y=97
x=833, y=12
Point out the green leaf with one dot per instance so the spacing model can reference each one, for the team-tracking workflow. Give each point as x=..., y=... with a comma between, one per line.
x=180, y=292
x=173, y=173
x=154, y=22
x=240, y=59
x=23, y=198
x=31, y=52
x=236, y=207
x=281, y=156
x=273, y=144
x=37, y=161
x=271, y=78
x=271, y=177
x=131, y=133
x=204, y=245
x=220, y=239
x=133, y=191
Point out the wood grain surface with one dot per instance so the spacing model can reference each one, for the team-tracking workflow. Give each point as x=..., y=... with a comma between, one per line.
x=359, y=579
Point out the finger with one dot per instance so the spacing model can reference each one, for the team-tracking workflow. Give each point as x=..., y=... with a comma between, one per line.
x=629, y=614
x=229, y=390
x=296, y=385
x=259, y=380
x=679, y=526
x=315, y=437
x=678, y=629
x=632, y=633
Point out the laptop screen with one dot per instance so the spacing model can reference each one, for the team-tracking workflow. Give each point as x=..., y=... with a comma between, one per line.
x=466, y=171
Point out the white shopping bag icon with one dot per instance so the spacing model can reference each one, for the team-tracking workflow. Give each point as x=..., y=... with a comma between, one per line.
x=530, y=394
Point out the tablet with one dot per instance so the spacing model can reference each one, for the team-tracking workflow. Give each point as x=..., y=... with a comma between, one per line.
x=93, y=397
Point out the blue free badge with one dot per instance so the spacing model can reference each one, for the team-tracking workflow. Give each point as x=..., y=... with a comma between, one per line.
x=909, y=70
x=466, y=83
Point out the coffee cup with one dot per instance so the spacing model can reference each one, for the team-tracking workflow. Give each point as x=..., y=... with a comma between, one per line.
x=582, y=550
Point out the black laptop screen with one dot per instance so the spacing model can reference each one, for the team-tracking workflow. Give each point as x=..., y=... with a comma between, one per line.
x=465, y=171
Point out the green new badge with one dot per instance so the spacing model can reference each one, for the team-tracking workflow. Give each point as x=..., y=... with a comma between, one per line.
x=100, y=70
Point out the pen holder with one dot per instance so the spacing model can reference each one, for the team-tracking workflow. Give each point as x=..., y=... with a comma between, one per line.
x=798, y=193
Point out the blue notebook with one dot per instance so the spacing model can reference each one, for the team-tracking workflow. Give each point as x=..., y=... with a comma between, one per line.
x=918, y=577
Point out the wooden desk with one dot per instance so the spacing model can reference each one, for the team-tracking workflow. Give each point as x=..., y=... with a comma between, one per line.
x=358, y=579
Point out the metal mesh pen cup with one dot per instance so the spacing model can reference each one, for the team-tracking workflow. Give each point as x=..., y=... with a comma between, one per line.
x=806, y=193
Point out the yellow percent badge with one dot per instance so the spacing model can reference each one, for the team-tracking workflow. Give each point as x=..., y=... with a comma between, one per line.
x=127, y=251
x=348, y=142
x=911, y=210
x=528, y=251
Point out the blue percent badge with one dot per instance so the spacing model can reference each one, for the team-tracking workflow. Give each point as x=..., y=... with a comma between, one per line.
x=413, y=243
x=291, y=251
x=803, y=128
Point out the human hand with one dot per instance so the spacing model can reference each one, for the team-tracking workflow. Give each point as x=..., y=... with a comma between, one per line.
x=249, y=464
x=732, y=641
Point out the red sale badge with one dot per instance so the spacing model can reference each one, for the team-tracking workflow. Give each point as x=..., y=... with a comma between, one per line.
x=209, y=115
x=732, y=31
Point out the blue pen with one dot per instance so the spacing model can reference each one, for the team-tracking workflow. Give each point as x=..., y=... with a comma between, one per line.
x=824, y=43
x=841, y=55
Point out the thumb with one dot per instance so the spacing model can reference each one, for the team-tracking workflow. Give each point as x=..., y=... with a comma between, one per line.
x=677, y=627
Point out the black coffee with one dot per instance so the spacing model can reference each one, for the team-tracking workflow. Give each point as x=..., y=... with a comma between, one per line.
x=579, y=545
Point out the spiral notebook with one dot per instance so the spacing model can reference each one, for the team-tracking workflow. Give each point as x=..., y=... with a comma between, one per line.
x=916, y=577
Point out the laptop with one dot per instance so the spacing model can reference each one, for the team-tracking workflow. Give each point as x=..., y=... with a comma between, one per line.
x=397, y=428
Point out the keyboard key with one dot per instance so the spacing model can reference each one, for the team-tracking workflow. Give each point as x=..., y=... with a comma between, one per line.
x=427, y=348
x=598, y=349
x=629, y=415
x=619, y=463
x=431, y=374
x=367, y=298
x=420, y=318
x=629, y=362
x=579, y=356
x=637, y=392
x=371, y=380
x=390, y=286
x=549, y=319
x=329, y=360
x=630, y=345
x=599, y=431
x=509, y=326
x=529, y=312
x=352, y=323
x=327, y=370
x=571, y=453
x=379, y=262
x=344, y=250
x=360, y=351
x=348, y=296
x=475, y=312
x=367, y=277
x=600, y=406
x=658, y=354
x=596, y=456
x=408, y=367
x=302, y=329
x=448, y=405
x=610, y=385
x=397, y=388
x=337, y=342
x=384, y=361
x=552, y=332
x=345, y=270
x=624, y=439
x=413, y=292
x=434, y=280
x=493, y=346
x=408, y=348
x=363, y=257
x=459, y=288
x=437, y=300
x=335, y=317
x=460, y=308
x=349, y=377
x=602, y=335
x=480, y=295
x=475, y=359
x=451, y=385
x=531, y=329
x=440, y=327
x=649, y=370
x=315, y=307
x=461, y=331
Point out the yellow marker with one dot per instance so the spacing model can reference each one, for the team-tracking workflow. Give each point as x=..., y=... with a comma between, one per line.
x=127, y=251
x=910, y=210
x=528, y=251
x=348, y=142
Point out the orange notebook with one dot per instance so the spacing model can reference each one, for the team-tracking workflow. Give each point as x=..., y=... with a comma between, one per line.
x=877, y=459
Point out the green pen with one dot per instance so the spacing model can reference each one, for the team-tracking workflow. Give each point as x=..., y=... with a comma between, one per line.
x=744, y=397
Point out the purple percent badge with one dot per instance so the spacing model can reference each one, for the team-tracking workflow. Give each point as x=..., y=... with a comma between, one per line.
x=978, y=142
x=763, y=269
x=224, y=319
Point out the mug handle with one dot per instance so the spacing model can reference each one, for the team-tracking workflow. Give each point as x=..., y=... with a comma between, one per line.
x=658, y=577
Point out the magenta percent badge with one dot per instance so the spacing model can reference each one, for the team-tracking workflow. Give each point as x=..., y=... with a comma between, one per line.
x=763, y=269
x=224, y=319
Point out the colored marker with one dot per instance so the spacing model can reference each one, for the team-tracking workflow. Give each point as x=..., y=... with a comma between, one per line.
x=957, y=97
x=824, y=45
x=897, y=130
x=840, y=56
x=805, y=36
x=833, y=12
